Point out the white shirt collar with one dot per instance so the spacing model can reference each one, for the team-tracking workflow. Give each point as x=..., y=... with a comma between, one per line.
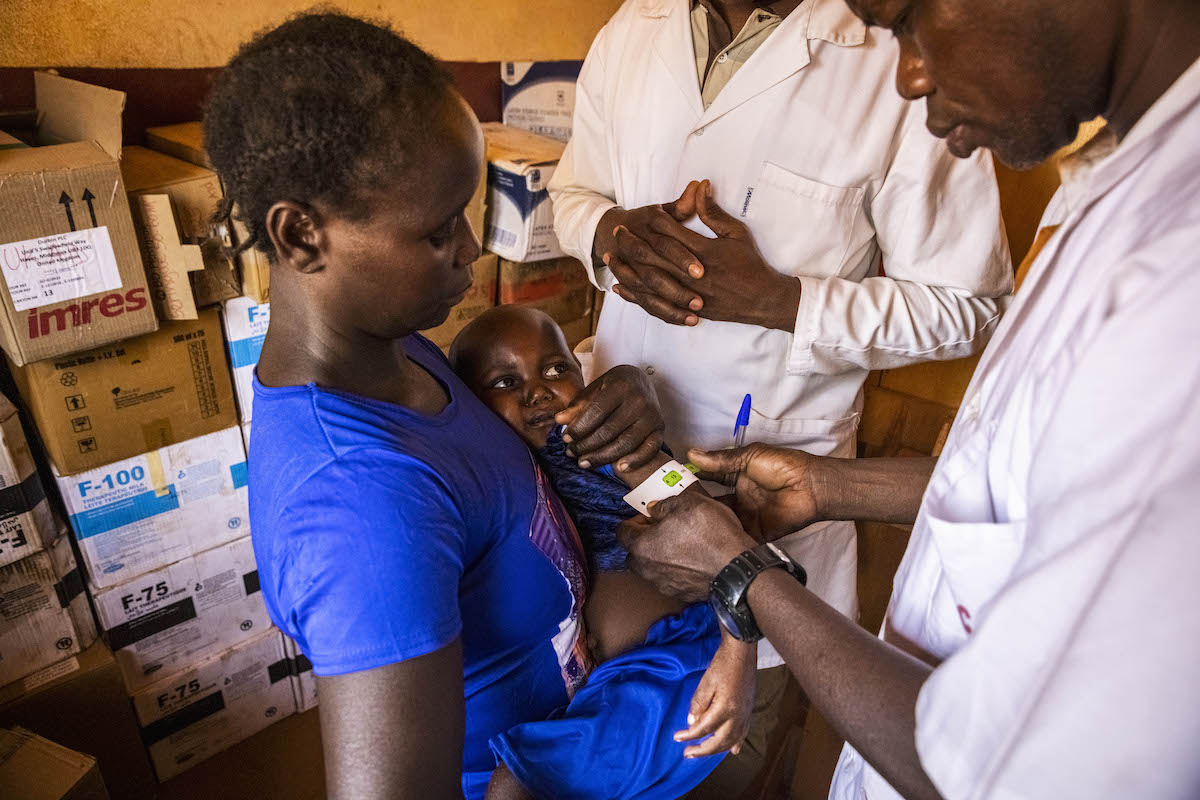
x=828, y=20
x=1104, y=161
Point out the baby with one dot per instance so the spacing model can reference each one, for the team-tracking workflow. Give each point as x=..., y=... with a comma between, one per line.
x=516, y=360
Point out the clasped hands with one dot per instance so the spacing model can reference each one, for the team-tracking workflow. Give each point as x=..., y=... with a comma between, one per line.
x=681, y=276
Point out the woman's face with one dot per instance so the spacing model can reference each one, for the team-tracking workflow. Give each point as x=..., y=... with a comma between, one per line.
x=403, y=266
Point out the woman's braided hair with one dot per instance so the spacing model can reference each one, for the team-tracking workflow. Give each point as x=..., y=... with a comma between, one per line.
x=320, y=108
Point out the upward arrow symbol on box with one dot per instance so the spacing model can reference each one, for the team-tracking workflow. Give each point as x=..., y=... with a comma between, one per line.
x=88, y=197
x=65, y=199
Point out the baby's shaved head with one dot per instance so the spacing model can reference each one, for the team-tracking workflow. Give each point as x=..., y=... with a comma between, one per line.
x=494, y=327
x=516, y=360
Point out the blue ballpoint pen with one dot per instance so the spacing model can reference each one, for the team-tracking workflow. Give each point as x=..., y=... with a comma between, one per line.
x=743, y=419
x=739, y=433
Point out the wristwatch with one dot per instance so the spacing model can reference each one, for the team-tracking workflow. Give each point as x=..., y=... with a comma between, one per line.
x=727, y=594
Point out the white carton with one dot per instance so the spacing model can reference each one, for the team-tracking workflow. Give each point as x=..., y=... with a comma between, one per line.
x=246, y=439
x=245, y=328
x=26, y=525
x=170, y=619
x=304, y=682
x=539, y=96
x=44, y=613
x=152, y=510
x=216, y=704
x=520, y=223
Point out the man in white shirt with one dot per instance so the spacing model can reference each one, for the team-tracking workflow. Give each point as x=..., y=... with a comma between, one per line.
x=1040, y=640
x=818, y=173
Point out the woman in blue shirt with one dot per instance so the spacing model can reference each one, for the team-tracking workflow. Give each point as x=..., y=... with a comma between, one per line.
x=404, y=535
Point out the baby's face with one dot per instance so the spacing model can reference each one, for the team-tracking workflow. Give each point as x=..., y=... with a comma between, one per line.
x=526, y=377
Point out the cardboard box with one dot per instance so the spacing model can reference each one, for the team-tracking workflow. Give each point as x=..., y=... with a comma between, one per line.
x=172, y=618
x=530, y=281
x=202, y=711
x=44, y=613
x=169, y=262
x=246, y=439
x=26, y=524
x=254, y=266
x=33, y=768
x=184, y=141
x=577, y=330
x=115, y=402
x=539, y=96
x=565, y=308
x=160, y=507
x=193, y=193
x=520, y=223
x=480, y=298
x=73, y=275
x=246, y=325
x=87, y=710
x=9, y=142
x=304, y=682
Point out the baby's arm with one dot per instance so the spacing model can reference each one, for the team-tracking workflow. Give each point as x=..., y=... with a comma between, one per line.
x=724, y=700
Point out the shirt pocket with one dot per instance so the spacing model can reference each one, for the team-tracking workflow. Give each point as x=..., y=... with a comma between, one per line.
x=822, y=437
x=802, y=226
x=977, y=559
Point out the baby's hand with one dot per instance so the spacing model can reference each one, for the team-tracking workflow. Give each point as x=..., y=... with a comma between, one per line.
x=723, y=701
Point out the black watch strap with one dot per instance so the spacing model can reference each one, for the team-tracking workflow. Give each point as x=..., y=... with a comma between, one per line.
x=727, y=594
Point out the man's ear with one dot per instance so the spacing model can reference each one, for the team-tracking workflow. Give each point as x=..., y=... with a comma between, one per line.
x=298, y=235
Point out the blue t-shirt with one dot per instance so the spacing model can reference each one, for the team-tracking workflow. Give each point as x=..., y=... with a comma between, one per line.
x=382, y=534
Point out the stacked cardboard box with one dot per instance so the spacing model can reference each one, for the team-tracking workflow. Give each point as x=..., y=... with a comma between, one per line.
x=33, y=768
x=199, y=712
x=73, y=275
x=520, y=223
x=539, y=96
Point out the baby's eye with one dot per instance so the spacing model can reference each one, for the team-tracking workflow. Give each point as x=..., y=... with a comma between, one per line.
x=502, y=383
x=442, y=235
x=558, y=370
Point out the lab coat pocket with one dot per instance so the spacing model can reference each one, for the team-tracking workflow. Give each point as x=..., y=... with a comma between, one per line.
x=802, y=226
x=977, y=559
x=822, y=437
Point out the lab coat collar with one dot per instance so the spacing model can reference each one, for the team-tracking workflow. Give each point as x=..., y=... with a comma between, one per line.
x=829, y=20
x=785, y=52
x=1103, y=162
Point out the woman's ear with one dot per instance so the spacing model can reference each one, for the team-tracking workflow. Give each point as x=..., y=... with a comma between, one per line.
x=299, y=238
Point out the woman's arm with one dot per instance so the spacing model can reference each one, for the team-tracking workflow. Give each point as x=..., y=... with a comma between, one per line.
x=395, y=731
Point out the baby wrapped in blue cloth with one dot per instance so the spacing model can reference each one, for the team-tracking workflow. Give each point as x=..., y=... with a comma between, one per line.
x=660, y=663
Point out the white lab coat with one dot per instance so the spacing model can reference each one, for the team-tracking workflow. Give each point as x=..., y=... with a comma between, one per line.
x=1053, y=564
x=811, y=147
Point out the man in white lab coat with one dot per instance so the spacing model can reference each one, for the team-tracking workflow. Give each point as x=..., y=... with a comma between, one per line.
x=788, y=109
x=1041, y=636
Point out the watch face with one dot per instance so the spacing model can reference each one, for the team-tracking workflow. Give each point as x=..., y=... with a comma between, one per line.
x=726, y=619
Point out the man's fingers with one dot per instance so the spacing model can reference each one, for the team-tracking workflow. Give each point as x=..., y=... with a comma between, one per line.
x=657, y=307
x=710, y=717
x=665, y=285
x=637, y=252
x=694, y=242
x=683, y=260
x=668, y=506
x=717, y=219
x=701, y=699
x=722, y=739
x=685, y=206
x=718, y=463
x=642, y=455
